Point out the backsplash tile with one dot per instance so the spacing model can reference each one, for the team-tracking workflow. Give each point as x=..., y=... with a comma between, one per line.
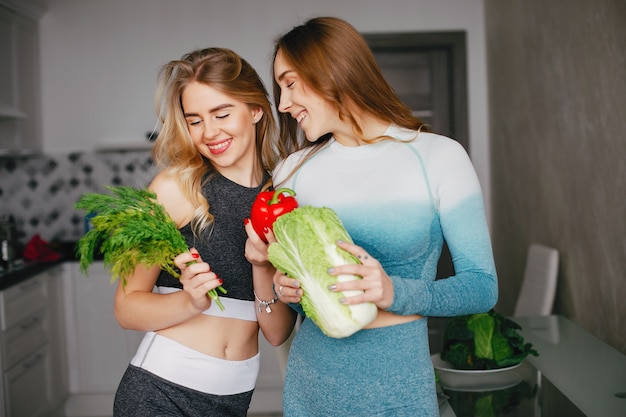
x=40, y=192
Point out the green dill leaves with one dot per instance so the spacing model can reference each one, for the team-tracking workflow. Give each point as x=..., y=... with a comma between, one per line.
x=130, y=228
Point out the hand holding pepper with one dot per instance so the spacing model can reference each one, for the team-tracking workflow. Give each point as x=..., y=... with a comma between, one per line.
x=268, y=206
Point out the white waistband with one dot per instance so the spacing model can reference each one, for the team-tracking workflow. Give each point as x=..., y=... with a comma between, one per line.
x=184, y=366
x=233, y=308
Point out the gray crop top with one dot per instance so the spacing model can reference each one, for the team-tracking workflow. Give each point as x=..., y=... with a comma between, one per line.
x=222, y=244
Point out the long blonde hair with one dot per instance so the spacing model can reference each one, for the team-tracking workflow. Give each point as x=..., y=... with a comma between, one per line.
x=174, y=150
x=334, y=60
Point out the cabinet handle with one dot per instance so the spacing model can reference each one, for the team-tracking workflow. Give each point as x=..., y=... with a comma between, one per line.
x=31, y=323
x=28, y=285
x=33, y=361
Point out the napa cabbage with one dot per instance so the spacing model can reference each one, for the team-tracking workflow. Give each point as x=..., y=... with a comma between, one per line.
x=484, y=341
x=305, y=248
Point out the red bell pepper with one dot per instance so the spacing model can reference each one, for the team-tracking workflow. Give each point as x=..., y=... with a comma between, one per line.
x=268, y=206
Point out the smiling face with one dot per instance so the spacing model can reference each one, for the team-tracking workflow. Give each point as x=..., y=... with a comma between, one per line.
x=221, y=127
x=315, y=115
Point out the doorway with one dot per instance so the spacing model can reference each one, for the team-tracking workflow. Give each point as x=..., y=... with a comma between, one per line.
x=428, y=70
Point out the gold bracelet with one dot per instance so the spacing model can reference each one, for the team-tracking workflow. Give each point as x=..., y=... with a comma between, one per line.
x=265, y=304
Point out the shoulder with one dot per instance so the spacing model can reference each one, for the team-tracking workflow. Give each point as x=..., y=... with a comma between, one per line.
x=436, y=142
x=438, y=150
x=288, y=165
x=164, y=182
x=169, y=194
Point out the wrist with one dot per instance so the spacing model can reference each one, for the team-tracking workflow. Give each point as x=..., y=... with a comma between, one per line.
x=265, y=303
x=262, y=264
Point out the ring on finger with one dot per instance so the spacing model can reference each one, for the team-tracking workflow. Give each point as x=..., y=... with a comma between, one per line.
x=280, y=291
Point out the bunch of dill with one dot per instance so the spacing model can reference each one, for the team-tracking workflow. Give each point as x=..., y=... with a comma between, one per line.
x=131, y=228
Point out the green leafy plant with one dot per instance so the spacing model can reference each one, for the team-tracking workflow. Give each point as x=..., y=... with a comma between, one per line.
x=130, y=228
x=484, y=341
x=305, y=248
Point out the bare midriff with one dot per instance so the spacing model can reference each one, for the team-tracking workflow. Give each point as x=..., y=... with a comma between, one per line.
x=385, y=318
x=224, y=338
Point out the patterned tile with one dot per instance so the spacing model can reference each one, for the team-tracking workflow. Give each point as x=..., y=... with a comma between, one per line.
x=40, y=192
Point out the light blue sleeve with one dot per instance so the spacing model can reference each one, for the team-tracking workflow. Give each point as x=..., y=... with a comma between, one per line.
x=459, y=201
x=473, y=288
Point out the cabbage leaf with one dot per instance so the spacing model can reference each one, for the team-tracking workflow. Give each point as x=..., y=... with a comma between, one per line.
x=305, y=248
x=484, y=341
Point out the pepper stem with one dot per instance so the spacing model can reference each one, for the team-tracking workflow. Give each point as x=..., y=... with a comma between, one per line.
x=280, y=191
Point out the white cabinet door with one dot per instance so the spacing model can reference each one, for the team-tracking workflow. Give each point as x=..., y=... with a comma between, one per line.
x=99, y=350
x=27, y=391
x=28, y=85
x=7, y=62
x=58, y=376
x=268, y=394
x=33, y=345
x=20, y=96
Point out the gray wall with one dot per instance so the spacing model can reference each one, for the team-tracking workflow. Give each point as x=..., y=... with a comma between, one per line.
x=557, y=93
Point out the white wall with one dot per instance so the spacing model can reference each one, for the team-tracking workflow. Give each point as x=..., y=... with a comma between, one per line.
x=100, y=58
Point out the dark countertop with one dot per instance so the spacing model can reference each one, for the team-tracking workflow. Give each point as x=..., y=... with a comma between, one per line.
x=26, y=270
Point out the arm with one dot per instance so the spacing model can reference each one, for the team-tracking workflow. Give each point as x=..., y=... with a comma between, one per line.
x=277, y=325
x=136, y=306
x=473, y=288
x=455, y=194
x=459, y=202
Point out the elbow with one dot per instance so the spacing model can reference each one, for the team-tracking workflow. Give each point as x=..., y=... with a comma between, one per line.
x=121, y=322
x=494, y=293
x=276, y=338
x=492, y=298
x=121, y=319
x=275, y=341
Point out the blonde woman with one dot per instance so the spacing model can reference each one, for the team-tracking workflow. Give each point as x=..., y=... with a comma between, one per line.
x=215, y=149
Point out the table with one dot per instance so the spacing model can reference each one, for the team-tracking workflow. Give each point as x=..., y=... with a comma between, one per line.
x=590, y=373
x=575, y=375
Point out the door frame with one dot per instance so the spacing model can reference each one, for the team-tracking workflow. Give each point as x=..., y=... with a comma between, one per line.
x=454, y=44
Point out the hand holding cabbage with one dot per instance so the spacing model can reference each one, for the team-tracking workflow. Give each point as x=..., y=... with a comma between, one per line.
x=305, y=249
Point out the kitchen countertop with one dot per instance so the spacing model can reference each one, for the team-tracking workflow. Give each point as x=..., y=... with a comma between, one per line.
x=25, y=270
x=589, y=372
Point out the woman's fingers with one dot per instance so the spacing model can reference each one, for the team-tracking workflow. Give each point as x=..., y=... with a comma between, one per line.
x=287, y=289
x=376, y=286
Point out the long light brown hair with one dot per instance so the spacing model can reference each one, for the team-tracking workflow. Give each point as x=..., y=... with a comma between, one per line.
x=174, y=149
x=334, y=60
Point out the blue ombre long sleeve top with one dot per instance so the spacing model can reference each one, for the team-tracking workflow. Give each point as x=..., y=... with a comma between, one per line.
x=400, y=200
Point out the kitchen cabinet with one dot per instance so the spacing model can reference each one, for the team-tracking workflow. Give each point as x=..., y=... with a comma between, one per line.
x=59, y=384
x=20, y=104
x=268, y=394
x=98, y=349
x=33, y=346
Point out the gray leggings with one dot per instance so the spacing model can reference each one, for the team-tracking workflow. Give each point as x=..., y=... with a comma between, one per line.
x=142, y=394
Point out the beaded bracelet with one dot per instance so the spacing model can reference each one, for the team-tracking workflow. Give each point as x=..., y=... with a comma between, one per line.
x=266, y=304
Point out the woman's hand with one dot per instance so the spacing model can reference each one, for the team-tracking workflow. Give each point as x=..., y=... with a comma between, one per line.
x=287, y=289
x=197, y=278
x=376, y=284
x=256, y=249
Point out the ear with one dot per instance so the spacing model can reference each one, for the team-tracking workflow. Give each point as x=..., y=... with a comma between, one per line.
x=257, y=114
